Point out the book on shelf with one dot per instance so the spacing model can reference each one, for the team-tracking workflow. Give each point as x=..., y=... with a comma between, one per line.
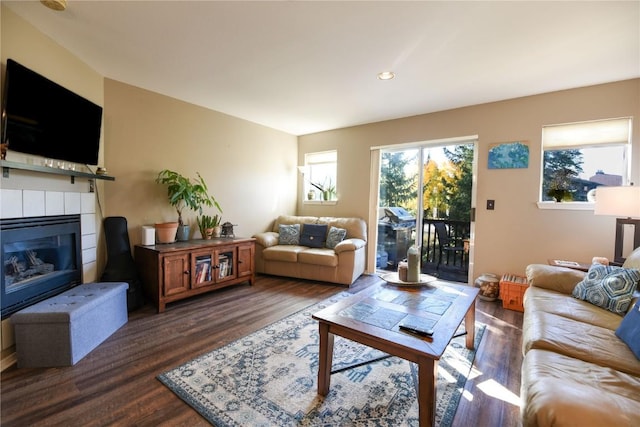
x=225, y=266
x=203, y=270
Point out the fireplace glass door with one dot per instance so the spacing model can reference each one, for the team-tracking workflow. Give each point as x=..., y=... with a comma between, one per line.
x=41, y=257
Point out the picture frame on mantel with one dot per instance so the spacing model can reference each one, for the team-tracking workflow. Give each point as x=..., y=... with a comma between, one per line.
x=509, y=155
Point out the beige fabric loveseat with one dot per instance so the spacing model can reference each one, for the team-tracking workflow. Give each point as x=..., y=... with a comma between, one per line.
x=341, y=264
x=576, y=371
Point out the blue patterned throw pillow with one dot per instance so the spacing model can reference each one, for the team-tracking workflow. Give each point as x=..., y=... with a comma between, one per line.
x=313, y=235
x=289, y=234
x=335, y=236
x=608, y=287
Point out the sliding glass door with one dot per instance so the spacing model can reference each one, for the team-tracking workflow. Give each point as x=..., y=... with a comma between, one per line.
x=425, y=199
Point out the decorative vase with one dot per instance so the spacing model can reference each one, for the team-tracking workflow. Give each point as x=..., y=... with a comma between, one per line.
x=311, y=195
x=217, y=230
x=489, y=285
x=413, y=264
x=183, y=233
x=166, y=232
x=208, y=233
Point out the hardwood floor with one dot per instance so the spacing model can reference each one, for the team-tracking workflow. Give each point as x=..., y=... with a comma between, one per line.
x=116, y=383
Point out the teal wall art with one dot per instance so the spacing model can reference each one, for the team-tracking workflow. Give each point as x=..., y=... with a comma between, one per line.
x=509, y=155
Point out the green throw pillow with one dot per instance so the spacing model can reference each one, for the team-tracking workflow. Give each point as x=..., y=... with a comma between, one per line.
x=289, y=234
x=336, y=235
x=608, y=287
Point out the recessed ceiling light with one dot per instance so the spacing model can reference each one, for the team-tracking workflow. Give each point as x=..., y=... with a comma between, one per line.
x=386, y=75
x=57, y=5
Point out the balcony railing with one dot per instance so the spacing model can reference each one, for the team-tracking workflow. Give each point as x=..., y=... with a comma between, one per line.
x=445, y=249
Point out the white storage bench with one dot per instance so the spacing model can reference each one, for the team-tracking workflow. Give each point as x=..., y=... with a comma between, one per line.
x=61, y=330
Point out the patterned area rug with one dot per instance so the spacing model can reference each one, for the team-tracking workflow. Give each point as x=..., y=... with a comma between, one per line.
x=269, y=378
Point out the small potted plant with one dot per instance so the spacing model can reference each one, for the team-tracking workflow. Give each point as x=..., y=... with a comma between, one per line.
x=185, y=193
x=327, y=191
x=560, y=185
x=207, y=225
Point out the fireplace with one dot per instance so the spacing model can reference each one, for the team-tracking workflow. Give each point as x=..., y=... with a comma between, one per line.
x=41, y=257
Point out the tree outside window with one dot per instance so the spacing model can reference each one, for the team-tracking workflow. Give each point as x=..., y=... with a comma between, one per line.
x=579, y=157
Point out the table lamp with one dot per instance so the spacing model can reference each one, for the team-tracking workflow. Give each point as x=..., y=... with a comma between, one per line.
x=623, y=202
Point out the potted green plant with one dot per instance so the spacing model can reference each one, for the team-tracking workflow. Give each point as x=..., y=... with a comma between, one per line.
x=560, y=185
x=186, y=193
x=327, y=191
x=207, y=225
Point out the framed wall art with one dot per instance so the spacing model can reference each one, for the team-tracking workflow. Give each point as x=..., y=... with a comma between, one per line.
x=509, y=155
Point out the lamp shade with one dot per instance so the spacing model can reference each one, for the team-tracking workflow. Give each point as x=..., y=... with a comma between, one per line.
x=618, y=201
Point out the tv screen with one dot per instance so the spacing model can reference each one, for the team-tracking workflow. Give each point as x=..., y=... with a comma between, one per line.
x=43, y=118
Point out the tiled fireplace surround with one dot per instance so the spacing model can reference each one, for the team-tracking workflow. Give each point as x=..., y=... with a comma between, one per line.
x=30, y=195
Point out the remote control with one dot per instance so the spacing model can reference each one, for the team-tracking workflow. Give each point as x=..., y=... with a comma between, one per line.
x=417, y=330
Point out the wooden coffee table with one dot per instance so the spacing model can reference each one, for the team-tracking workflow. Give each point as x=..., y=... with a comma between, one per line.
x=372, y=317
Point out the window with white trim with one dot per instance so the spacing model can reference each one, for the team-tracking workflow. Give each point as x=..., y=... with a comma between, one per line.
x=578, y=157
x=320, y=176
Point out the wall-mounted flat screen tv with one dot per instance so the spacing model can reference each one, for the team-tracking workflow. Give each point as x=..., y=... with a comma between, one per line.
x=43, y=118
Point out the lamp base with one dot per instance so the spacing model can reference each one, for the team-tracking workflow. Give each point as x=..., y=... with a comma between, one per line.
x=620, y=223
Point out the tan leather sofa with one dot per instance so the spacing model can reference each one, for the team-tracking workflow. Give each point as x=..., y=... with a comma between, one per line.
x=343, y=264
x=576, y=371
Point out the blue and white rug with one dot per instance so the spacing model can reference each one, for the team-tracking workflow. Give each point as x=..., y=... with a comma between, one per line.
x=269, y=378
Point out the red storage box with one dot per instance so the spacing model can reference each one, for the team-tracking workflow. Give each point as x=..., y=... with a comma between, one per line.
x=512, y=289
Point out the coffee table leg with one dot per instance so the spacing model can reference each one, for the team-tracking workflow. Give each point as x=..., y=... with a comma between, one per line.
x=325, y=359
x=427, y=377
x=470, y=325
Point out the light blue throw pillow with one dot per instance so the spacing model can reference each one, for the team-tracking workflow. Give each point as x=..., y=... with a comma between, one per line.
x=336, y=235
x=289, y=234
x=608, y=287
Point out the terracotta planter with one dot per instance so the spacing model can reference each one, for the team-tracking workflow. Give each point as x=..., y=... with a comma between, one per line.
x=166, y=232
x=208, y=233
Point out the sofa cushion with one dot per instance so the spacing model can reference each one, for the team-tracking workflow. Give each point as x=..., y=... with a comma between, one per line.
x=554, y=278
x=287, y=253
x=319, y=256
x=629, y=330
x=633, y=260
x=608, y=287
x=289, y=234
x=561, y=391
x=292, y=219
x=313, y=235
x=335, y=236
x=543, y=300
x=594, y=344
x=356, y=227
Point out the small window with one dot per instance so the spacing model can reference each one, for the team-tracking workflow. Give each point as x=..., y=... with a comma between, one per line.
x=578, y=157
x=320, y=176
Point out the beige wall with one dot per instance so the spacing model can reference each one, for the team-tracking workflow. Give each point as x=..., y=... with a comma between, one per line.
x=250, y=169
x=517, y=232
x=24, y=43
x=27, y=45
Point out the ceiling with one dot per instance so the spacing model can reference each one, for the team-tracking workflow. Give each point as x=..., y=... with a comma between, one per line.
x=304, y=67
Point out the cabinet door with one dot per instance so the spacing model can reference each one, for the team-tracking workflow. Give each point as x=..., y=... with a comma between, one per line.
x=226, y=267
x=202, y=266
x=245, y=260
x=176, y=275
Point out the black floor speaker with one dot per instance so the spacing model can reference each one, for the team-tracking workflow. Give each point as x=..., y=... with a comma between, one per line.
x=120, y=264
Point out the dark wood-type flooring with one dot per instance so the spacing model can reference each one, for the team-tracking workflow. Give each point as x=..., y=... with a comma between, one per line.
x=116, y=383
